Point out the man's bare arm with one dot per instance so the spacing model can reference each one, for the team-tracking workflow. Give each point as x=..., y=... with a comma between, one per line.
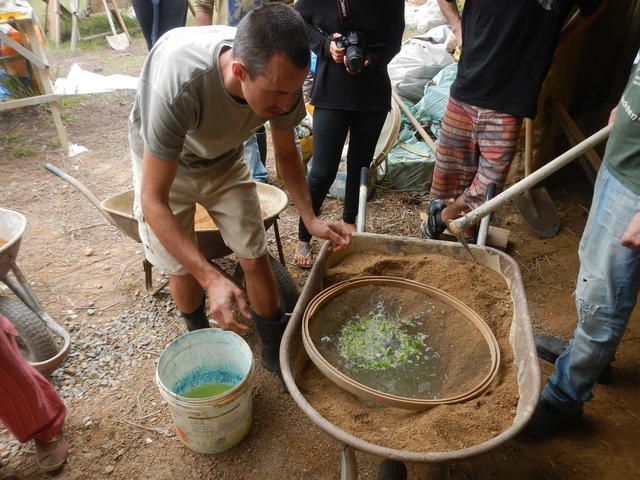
x=450, y=10
x=292, y=170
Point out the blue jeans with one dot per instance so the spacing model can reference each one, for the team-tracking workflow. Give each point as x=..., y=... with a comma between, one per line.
x=252, y=156
x=606, y=291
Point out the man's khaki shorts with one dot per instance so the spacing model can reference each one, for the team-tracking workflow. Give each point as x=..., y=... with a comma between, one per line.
x=229, y=195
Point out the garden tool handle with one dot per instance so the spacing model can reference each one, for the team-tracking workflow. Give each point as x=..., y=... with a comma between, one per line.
x=362, y=199
x=459, y=225
x=484, y=223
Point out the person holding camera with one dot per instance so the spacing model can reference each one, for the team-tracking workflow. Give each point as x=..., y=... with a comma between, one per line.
x=354, y=41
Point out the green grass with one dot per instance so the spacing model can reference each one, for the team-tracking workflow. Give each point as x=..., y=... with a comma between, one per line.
x=23, y=152
x=11, y=138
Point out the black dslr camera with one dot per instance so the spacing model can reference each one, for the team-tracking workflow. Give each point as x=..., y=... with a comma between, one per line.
x=354, y=45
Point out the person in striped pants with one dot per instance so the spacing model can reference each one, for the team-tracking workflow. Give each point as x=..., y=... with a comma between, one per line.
x=30, y=408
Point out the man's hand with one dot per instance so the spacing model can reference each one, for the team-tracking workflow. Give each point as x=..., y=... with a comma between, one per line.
x=335, y=232
x=336, y=53
x=631, y=236
x=223, y=295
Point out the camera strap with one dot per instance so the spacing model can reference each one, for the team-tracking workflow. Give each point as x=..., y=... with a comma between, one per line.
x=344, y=12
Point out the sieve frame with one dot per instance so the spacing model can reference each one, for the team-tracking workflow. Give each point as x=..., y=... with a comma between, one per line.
x=382, y=398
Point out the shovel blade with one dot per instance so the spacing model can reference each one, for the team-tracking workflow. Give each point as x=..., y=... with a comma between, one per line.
x=539, y=211
x=118, y=42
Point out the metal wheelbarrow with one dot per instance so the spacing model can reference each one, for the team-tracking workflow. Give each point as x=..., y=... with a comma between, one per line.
x=27, y=315
x=294, y=358
x=118, y=210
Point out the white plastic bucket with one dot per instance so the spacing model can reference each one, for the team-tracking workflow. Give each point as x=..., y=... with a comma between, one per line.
x=210, y=355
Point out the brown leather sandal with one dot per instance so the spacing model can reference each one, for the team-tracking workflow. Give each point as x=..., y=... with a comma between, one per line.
x=51, y=455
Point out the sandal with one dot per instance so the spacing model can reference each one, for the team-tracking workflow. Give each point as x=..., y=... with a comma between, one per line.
x=304, y=257
x=434, y=226
x=51, y=455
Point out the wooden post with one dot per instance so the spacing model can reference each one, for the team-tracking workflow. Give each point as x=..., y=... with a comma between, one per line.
x=74, y=25
x=53, y=21
x=44, y=81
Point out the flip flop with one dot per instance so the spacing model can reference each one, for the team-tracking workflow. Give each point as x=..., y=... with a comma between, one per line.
x=304, y=257
x=51, y=455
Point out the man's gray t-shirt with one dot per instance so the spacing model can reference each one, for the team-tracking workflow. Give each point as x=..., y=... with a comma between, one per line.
x=182, y=112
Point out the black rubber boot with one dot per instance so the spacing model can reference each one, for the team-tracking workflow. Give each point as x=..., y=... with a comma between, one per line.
x=271, y=335
x=197, y=319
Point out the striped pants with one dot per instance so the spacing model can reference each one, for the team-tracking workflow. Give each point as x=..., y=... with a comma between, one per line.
x=29, y=406
x=476, y=148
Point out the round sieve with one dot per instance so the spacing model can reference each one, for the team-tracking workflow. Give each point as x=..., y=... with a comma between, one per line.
x=399, y=343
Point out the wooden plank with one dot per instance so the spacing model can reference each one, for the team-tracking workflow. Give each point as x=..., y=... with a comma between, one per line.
x=26, y=102
x=496, y=237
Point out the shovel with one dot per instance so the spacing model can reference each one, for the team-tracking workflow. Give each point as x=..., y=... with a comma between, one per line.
x=117, y=41
x=459, y=225
x=536, y=205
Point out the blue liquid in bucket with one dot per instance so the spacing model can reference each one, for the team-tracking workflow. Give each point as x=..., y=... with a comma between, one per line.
x=201, y=376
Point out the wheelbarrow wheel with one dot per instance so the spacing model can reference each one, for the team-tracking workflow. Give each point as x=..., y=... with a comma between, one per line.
x=34, y=341
x=286, y=285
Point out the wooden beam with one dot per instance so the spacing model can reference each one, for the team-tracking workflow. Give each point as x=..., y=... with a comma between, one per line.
x=574, y=136
x=53, y=21
x=26, y=102
x=414, y=121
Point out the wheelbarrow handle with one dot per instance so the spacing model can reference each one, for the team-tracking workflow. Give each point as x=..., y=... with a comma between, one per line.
x=362, y=199
x=474, y=216
x=82, y=189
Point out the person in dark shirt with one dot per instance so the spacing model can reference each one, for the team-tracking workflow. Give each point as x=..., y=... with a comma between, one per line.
x=347, y=101
x=507, y=48
x=609, y=277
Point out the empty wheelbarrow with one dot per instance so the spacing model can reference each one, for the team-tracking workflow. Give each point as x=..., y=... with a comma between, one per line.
x=118, y=210
x=31, y=321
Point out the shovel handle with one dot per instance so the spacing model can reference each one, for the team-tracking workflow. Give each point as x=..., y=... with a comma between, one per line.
x=457, y=226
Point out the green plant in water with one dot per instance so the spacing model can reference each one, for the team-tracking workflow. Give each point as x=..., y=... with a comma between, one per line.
x=376, y=341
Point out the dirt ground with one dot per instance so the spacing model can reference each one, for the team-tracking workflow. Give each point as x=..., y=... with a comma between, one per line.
x=120, y=429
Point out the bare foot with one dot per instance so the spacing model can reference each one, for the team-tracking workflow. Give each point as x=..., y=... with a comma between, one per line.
x=304, y=257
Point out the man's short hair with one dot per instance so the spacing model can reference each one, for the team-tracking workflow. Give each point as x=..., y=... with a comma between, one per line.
x=269, y=29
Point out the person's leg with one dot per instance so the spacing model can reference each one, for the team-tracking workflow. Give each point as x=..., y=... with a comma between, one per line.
x=497, y=140
x=144, y=14
x=330, y=129
x=252, y=157
x=364, y=130
x=606, y=291
x=29, y=405
x=456, y=165
x=172, y=14
x=185, y=290
x=261, y=287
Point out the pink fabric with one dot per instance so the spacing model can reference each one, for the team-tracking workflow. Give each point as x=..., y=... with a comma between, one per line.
x=29, y=406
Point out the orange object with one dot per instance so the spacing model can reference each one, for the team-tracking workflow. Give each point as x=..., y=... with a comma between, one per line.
x=19, y=66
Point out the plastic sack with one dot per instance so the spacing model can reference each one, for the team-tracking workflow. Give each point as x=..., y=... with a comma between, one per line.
x=418, y=62
x=423, y=17
x=431, y=108
x=408, y=168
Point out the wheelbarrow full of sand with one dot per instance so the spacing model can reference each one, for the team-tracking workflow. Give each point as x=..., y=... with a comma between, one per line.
x=490, y=284
x=118, y=210
x=31, y=321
